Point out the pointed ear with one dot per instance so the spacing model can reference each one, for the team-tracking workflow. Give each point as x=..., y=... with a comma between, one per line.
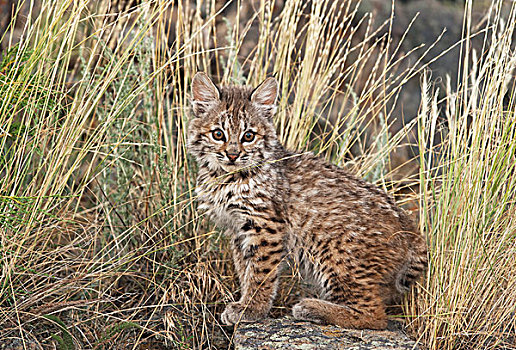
x=266, y=93
x=204, y=93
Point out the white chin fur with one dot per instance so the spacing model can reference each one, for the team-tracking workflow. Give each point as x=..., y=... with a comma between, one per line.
x=231, y=167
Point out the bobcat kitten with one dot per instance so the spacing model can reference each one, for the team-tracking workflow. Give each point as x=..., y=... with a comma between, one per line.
x=347, y=236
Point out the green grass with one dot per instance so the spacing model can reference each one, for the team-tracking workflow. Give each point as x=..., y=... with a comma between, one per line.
x=101, y=245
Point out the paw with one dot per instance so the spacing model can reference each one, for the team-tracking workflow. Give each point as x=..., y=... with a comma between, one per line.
x=238, y=312
x=307, y=310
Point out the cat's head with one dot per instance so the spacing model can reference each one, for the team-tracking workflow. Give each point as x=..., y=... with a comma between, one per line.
x=232, y=126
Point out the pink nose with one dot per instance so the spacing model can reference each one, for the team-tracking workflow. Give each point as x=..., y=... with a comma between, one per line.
x=232, y=156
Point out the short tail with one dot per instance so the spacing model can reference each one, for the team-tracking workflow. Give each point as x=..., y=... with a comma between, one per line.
x=411, y=273
x=416, y=263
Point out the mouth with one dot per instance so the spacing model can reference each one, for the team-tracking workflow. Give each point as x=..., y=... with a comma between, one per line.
x=230, y=166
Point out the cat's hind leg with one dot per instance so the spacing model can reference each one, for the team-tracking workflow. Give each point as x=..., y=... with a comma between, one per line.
x=360, y=312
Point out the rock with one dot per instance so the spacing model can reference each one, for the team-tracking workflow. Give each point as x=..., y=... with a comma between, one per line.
x=287, y=333
x=18, y=344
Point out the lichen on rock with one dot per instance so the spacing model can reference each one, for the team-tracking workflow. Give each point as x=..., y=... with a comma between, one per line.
x=288, y=333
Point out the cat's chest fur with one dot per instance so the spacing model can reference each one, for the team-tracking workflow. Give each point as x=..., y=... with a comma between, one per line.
x=231, y=199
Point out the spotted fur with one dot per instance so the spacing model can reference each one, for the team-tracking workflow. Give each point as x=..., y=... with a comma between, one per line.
x=347, y=236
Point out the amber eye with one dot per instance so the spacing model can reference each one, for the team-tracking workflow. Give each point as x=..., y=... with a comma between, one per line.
x=218, y=135
x=248, y=136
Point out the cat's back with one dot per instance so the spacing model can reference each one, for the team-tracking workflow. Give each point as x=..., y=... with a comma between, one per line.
x=330, y=193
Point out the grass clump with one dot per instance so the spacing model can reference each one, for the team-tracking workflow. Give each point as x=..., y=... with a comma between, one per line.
x=467, y=194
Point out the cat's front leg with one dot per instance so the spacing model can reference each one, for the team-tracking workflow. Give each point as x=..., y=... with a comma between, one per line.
x=258, y=253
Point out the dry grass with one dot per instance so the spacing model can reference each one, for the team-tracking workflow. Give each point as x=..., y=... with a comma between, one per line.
x=101, y=245
x=469, y=296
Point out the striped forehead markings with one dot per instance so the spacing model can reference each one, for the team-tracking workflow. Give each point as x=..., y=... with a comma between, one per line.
x=222, y=119
x=233, y=119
